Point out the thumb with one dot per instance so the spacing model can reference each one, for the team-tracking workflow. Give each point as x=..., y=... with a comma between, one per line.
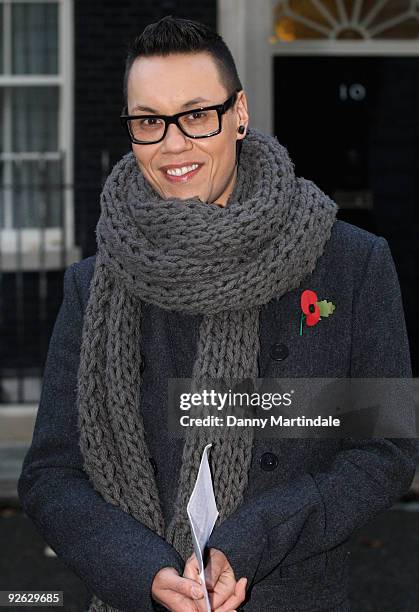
x=243, y=583
x=241, y=587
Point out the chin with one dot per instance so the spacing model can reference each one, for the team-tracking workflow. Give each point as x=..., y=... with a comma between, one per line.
x=185, y=195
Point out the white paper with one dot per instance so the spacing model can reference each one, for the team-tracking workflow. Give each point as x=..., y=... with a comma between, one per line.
x=202, y=513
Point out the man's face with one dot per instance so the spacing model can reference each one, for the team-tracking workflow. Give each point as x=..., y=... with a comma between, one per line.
x=165, y=84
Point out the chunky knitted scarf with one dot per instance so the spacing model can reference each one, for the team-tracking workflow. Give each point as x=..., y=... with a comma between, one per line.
x=193, y=257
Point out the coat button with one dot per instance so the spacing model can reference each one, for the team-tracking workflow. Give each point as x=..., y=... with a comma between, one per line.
x=153, y=464
x=279, y=352
x=142, y=364
x=268, y=462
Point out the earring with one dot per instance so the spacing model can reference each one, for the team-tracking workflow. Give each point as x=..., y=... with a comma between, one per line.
x=241, y=129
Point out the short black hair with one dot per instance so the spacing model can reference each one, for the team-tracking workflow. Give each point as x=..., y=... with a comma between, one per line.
x=175, y=35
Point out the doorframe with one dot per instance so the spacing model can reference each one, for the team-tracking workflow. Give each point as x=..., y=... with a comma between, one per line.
x=247, y=28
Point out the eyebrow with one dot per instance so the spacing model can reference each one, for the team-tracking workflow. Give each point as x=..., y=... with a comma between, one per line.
x=147, y=109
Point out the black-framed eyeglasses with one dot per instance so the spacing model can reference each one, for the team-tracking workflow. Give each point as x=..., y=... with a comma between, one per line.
x=201, y=122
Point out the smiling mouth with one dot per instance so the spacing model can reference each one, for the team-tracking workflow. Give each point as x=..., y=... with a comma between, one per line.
x=182, y=175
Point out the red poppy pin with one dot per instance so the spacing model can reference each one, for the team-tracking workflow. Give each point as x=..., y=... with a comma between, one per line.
x=312, y=309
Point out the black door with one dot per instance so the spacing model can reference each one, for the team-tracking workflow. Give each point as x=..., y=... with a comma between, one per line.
x=351, y=125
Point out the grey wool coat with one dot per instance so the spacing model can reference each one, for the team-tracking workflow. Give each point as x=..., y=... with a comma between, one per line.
x=305, y=497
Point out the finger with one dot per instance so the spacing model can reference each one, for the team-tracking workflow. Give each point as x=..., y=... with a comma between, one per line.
x=178, y=583
x=200, y=603
x=176, y=602
x=186, y=601
x=222, y=592
x=212, y=572
x=218, y=599
x=217, y=563
x=236, y=599
x=184, y=586
x=191, y=569
x=192, y=559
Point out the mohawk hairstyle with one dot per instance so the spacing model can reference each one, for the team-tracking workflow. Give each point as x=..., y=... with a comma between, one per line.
x=176, y=35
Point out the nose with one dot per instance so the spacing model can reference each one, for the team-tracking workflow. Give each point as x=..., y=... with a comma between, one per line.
x=175, y=140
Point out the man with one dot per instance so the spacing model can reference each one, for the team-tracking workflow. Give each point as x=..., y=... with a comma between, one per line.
x=206, y=242
x=178, y=78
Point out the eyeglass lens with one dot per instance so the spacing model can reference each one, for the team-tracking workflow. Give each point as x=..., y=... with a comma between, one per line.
x=198, y=123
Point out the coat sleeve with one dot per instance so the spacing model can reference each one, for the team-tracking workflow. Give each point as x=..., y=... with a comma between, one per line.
x=288, y=524
x=112, y=553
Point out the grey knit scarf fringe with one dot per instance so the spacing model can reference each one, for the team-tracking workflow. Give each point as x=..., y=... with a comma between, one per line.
x=193, y=257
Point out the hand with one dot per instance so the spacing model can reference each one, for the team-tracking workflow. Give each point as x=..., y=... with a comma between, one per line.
x=225, y=594
x=175, y=592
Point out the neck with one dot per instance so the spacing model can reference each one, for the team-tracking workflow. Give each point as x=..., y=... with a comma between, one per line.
x=223, y=198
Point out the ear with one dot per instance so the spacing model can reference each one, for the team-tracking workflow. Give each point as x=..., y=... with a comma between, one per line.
x=242, y=114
